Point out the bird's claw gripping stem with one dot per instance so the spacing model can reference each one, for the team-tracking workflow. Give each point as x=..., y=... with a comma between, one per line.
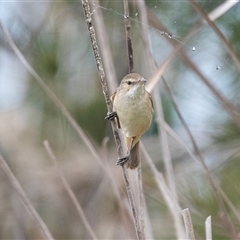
x=111, y=116
x=122, y=161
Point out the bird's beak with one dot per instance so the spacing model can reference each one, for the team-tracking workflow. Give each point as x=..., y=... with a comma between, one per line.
x=142, y=81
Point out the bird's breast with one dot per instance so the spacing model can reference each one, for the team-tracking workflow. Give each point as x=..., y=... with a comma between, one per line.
x=134, y=112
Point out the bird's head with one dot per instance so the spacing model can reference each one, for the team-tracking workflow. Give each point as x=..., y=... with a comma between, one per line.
x=133, y=84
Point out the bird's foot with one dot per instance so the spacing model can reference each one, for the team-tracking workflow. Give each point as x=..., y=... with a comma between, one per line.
x=111, y=116
x=122, y=161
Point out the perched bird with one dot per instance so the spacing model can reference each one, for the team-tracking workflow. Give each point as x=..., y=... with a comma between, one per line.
x=133, y=106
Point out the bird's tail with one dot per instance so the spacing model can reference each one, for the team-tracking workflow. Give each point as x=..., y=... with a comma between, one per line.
x=134, y=158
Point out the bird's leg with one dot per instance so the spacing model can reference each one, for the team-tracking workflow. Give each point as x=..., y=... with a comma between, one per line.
x=111, y=116
x=123, y=160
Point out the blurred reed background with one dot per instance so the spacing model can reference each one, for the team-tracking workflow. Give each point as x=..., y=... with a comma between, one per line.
x=204, y=79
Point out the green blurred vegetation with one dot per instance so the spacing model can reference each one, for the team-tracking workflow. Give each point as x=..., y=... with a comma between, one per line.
x=91, y=118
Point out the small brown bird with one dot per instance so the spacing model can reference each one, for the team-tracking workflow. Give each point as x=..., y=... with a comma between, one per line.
x=134, y=108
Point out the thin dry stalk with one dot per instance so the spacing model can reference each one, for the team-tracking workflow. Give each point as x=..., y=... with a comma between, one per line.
x=163, y=136
x=142, y=215
x=160, y=70
x=159, y=115
x=145, y=35
x=69, y=190
x=91, y=30
x=175, y=105
x=188, y=224
x=107, y=60
x=168, y=165
x=87, y=12
x=25, y=200
x=229, y=203
x=128, y=36
x=180, y=141
x=139, y=224
x=164, y=143
x=158, y=108
x=124, y=207
x=127, y=22
x=140, y=5
x=225, y=42
x=184, y=123
x=162, y=185
x=221, y=9
x=105, y=48
x=132, y=203
x=208, y=228
x=232, y=111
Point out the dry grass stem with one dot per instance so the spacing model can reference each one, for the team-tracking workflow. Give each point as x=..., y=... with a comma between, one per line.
x=221, y=9
x=125, y=211
x=164, y=142
x=128, y=37
x=103, y=41
x=184, y=123
x=158, y=109
x=25, y=200
x=69, y=190
x=160, y=181
x=160, y=70
x=169, y=199
x=91, y=30
x=229, y=203
x=208, y=228
x=159, y=115
x=225, y=42
x=127, y=22
x=142, y=215
x=188, y=224
x=143, y=18
x=168, y=164
x=145, y=35
x=132, y=204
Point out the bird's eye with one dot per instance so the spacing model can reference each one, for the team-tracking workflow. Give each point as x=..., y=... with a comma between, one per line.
x=129, y=82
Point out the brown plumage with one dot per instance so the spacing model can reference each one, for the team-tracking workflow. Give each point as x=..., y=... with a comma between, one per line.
x=134, y=107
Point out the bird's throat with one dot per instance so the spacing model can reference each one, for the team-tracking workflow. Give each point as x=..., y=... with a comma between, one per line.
x=136, y=91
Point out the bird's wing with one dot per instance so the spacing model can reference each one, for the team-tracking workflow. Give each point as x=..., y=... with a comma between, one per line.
x=112, y=99
x=113, y=96
x=150, y=97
